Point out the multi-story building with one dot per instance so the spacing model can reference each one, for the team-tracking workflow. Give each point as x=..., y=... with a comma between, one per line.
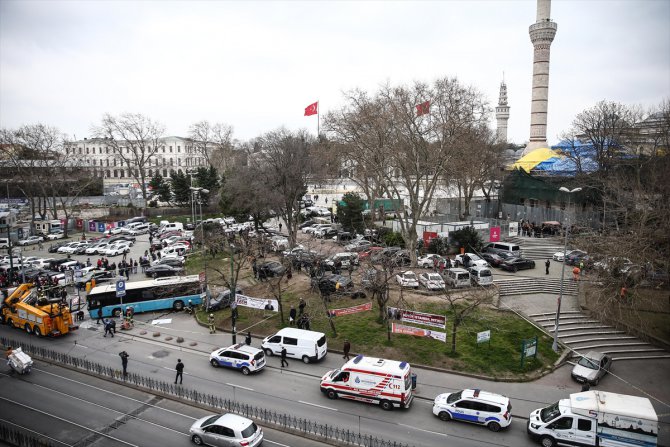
x=172, y=154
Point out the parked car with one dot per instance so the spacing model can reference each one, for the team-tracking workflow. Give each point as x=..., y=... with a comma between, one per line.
x=214, y=430
x=592, y=367
x=576, y=258
x=174, y=261
x=516, y=264
x=559, y=256
x=307, y=223
x=117, y=249
x=407, y=279
x=345, y=258
x=338, y=285
x=401, y=258
x=97, y=248
x=222, y=300
x=368, y=253
x=493, y=259
x=270, y=269
x=162, y=270
x=53, y=248
x=30, y=240
x=56, y=234
x=357, y=245
x=69, y=248
x=470, y=260
x=431, y=281
x=475, y=406
x=428, y=260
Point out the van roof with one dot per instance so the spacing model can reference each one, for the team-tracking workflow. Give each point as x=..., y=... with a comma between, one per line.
x=458, y=270
x=300, y=333
x=613, y=403
x=373, y=363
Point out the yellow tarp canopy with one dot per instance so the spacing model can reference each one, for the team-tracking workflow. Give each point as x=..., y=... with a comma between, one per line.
x=529, y=161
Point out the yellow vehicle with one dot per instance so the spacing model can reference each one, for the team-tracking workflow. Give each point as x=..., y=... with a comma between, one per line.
x=29, y=308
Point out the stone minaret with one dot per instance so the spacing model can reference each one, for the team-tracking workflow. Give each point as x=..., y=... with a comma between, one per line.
x=502, y=113
x=542, y=33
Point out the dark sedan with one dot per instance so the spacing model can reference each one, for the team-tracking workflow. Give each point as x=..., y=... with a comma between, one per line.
x=493, y=259
x=515, y=264
x=270, y=269
x=161, y=270
x=222, y=300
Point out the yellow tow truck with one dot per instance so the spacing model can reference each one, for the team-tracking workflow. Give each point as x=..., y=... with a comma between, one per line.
x=29, y=308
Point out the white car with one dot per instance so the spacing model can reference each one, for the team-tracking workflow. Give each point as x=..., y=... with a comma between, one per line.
x=471, y=259
x=431, y=281
x=71, y=248
x=58, y=234
x=356, y=244
x=42, y=263
x=117, y=249
x=560, y=256
x=97, y=249
x=228, y=220
x=294, y=251
x=407, y=279
x=115, y=230
x=31, y=240
x=427, y=260
x=226, y=430
x=474, y=406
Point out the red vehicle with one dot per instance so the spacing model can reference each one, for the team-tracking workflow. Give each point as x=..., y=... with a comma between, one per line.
x=366, y=254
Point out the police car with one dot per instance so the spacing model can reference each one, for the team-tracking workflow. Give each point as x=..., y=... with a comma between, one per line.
x=239, y=356
x=475, y=406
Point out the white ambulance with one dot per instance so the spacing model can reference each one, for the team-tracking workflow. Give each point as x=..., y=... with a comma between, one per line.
x=387, y=383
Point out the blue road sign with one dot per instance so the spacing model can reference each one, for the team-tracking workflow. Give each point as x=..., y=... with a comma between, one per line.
x=121, y=287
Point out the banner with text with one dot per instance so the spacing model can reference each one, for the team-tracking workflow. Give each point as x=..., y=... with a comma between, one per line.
x=418, y=332
x=257, y=303
x=410, y=316
x=350, y=310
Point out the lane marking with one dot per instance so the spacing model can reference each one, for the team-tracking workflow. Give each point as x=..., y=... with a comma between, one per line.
x=316, y=405
x=423, y=430
x=104, y=435
x=276, y=443
x=239, y=386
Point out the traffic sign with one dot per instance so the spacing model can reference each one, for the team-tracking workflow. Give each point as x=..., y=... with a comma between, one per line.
x=120, y=288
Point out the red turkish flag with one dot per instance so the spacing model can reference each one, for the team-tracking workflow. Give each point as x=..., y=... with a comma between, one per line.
x=423, y=108
x=312, y=109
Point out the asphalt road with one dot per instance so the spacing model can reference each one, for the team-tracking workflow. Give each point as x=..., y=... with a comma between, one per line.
x=70, y=409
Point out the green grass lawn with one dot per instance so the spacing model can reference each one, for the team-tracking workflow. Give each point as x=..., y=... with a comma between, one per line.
x=500, y=358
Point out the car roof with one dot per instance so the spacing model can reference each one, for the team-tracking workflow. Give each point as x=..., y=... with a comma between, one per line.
x=233, y=421
x=485, y=396
x=241, y=347
x=594, y=355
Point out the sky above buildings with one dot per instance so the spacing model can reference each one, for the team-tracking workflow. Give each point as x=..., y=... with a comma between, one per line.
x=256, y=65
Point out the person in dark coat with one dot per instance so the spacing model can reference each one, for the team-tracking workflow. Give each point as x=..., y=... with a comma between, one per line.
x=292, y=316
x=180, y=372
x=108, y=328
x=347, y=348
x=301, y=306
x=247, y=339
x=124, y=362
x=283, y=356
x=99, y=315
x=546, y=266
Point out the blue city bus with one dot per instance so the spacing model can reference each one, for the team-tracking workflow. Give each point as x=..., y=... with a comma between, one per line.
x=172, y=292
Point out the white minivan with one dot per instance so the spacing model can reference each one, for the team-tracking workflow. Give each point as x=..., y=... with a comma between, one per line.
x=481, y=276
x=309, y=346
x=457, y=278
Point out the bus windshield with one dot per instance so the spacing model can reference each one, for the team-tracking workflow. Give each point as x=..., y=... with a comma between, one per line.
x=146, y=296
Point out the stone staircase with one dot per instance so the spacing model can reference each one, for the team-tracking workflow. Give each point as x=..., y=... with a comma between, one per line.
x=582, y=334
x=538, y=248
x=530, y=285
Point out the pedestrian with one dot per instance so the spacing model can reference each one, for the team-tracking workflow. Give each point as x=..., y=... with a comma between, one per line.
x=575, y=273
x=135, y=266
x=247, y=339
x=301, y=306
x=88, y=262
x=210, y=322
x=280, y=227
x=112, y=325
x=180, y=372
x=254, y=267
x=546, y=267
x=127, y=271
x=108, y=328
x=283, y=356
x=99, y=314
x=292, y=316
x=289, y=273
x=124, y=362
x=347, y=348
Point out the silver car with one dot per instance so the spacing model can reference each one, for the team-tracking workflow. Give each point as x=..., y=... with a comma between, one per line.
x=226, y=430
x=592, y=367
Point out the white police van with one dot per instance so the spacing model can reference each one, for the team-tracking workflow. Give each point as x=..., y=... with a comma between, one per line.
x=239, y=356
x=475, y=406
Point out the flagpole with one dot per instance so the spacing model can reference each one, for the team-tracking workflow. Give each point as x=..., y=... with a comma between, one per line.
x=318, y=119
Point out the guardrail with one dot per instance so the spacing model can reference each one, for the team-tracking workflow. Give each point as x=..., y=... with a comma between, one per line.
x=281, y=421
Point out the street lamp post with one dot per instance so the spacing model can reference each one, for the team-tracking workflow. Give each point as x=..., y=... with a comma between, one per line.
x=196, y=192
x=565, y=248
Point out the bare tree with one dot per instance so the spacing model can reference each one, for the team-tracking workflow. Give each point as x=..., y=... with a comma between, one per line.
x=405, y=154
x=214, y=142
x=283, y=163
x=135, y=140
x=462, y=304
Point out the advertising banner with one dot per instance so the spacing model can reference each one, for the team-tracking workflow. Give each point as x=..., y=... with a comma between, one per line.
x=427, y=236
x=350, y=310
x=79, y=224
x=257, y=303
x=91, y=225
x=101, y=227
x=513, y=229
x=410, y=316
x=418, y=332
x=494, y=234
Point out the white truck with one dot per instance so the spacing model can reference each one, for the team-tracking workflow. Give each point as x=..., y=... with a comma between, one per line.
x=387, y=383
x=596, y=418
